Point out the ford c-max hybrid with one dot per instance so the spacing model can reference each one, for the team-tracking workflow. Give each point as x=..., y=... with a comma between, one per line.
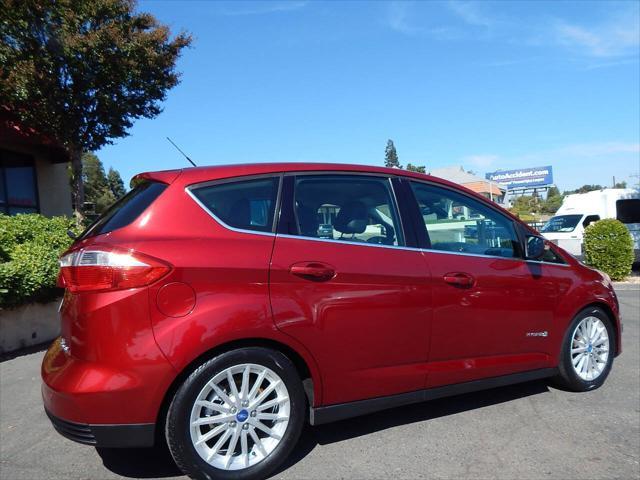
x=218, y=309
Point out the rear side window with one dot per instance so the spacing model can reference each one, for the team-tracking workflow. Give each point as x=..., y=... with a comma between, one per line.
x=628, y=210
x=246, y=204
x=127, y=209
x=350, y=208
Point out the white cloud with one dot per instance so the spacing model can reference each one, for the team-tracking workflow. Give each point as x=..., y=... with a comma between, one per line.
x=617, y=36
x=470, y=12
x=398, y=18
x=259, y=8
x=481, y=161
x=585, y=150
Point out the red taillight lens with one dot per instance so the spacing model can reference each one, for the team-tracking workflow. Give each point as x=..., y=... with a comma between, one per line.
x=94, y=269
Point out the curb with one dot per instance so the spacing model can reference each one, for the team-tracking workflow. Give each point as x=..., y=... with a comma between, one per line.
x=28, y=325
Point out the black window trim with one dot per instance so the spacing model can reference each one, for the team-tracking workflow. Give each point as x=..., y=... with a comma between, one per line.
x=274, y=221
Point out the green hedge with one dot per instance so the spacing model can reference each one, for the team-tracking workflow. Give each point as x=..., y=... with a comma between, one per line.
x=608, y=246
x=29, y=249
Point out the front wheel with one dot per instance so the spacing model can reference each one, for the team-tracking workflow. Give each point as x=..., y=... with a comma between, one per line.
x=237, y=416
x=587, y=351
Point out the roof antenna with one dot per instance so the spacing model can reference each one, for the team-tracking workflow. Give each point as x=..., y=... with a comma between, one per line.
x=184, y=154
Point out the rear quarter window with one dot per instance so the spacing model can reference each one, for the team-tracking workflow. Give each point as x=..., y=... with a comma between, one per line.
x=127, y=209
x=244, y=204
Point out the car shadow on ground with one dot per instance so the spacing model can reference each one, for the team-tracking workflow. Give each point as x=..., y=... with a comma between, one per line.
x=157, y=462
x=41, y=347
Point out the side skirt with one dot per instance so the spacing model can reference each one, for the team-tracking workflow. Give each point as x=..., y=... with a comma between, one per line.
x=341, y=411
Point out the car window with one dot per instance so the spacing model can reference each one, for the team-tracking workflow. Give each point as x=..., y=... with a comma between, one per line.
x=628, y=210
x=127, y=209
x=245, y=204
x=350, y=208
x=589, y=220
x=457, y=223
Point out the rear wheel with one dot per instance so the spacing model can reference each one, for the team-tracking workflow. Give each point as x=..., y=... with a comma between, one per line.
x=587, y=351
x=237, y=416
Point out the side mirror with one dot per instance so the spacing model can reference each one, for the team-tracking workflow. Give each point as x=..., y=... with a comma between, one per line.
x=535, y=248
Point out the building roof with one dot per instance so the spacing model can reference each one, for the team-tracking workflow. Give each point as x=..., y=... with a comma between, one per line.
x=457, y=174
x=13, y=132
x=484, y=187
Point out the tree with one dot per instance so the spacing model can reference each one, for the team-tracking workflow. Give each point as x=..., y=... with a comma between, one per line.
x=553, y=201
x=116, y=185
x=415, y=168
x=526, y=205
x=584, y=189
x=81, y=71
x=101, y=190
x=622, y=184
x=391, y=156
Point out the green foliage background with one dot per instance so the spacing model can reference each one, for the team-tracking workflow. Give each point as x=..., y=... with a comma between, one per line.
x=608, y=246
x=30, y=246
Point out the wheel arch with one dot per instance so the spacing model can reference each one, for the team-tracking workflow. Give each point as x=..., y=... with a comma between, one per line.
x=310, y=380
x=612, y=316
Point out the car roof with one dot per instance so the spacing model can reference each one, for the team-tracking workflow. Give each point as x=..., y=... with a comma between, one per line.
x=192, y=175
x=188, y=176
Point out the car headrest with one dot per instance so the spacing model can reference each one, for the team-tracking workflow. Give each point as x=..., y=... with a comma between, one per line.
x=240, y=213
x=353, y=217
x=308, y=221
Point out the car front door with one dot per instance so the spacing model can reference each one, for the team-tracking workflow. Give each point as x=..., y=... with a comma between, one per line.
x=492, y=310
x=344, y=283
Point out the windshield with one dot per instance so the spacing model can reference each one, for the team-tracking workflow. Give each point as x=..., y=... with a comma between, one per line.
x=561, y=223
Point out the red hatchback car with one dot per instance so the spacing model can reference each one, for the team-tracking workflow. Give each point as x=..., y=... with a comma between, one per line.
x=220, y=308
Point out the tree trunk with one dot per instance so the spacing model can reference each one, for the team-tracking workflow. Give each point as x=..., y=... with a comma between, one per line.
x=78, y=184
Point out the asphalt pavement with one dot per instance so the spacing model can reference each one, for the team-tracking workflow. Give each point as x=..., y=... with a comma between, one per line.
x=527, y=431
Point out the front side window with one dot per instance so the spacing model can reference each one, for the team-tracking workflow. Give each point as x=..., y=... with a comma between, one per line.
x=457, y=223
x=245, y=204
x=18, y=192
x=351, y=208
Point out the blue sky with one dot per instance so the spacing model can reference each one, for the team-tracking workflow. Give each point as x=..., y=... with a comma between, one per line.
x=480, y=84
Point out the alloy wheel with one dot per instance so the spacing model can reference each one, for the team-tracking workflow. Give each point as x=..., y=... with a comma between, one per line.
x=240, y=416
x=589, y=348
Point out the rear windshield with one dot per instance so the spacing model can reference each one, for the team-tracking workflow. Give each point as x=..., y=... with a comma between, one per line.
x=629, y=210
x=126, y=210
x=561, y=223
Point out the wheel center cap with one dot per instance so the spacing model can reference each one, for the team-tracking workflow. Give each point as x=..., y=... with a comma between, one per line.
x=242, y=416
x=590, y=348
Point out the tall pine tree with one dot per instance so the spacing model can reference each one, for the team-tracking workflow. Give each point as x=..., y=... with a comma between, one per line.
x=391, y=156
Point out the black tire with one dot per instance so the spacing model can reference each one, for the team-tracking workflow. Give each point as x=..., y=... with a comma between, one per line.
x=178, y=417
x=567, y=377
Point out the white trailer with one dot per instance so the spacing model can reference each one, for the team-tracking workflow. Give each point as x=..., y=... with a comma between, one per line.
x=579, y=210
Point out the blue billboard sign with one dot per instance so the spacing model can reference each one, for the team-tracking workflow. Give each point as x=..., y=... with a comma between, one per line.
x=523, y=177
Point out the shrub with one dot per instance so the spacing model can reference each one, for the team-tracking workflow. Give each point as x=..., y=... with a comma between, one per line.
x=29, y=249
x=608, y=246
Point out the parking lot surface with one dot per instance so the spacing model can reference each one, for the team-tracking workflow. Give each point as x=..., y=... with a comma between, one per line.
x=527, y=431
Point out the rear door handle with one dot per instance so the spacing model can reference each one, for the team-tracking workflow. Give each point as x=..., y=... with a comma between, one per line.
x=318, y=272
x=459, y=279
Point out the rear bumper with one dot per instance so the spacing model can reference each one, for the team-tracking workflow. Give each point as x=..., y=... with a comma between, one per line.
x=107, y=436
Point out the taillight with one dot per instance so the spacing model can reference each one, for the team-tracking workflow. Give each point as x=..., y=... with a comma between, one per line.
x=94, y=269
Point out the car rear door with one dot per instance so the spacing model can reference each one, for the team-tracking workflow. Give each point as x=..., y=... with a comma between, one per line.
x=345, y=282
x=492, y=310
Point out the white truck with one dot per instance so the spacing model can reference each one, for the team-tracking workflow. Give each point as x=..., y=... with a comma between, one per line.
x=579, y=210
